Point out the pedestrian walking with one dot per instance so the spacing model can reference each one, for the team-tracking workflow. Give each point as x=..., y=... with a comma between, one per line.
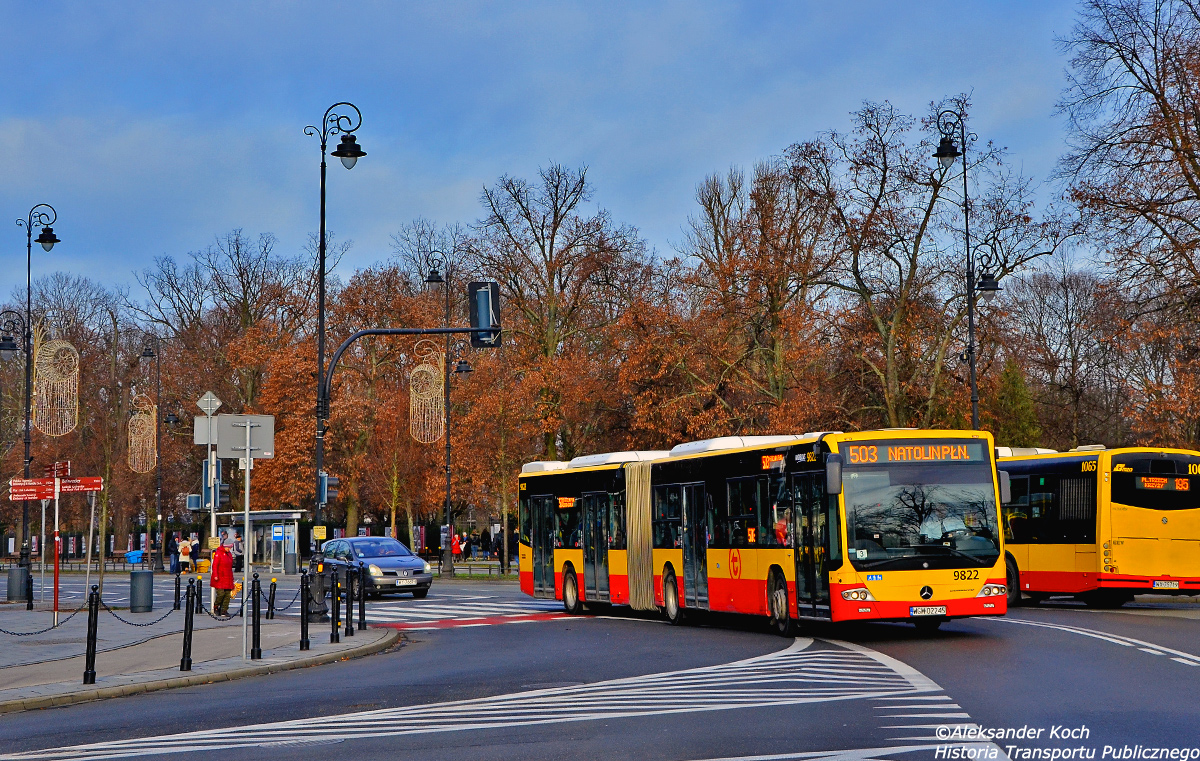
x=221, y=579
x=195, y=555
x=185, y=555
x=238, y=556
x=485, y=543
x=456, y=547
x=173, y=551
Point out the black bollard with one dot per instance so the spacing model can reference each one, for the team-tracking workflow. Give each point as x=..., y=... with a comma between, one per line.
x=177, y=581
x=362, y=597
x=335, y=594
x=89, y=668
x=350, y=574
x=29, y=589
x=199, y=589
x=304, y=609
x=256, y=597
x=271, y=602
x=185, y=663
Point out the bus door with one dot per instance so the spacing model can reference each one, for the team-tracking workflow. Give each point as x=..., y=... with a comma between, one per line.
x=811, y=536
x=541, y=509
x=695, y=546
x=595, y=545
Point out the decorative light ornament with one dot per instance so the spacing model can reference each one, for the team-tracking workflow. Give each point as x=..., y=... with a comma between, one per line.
x=55, y=386
x=426, y=394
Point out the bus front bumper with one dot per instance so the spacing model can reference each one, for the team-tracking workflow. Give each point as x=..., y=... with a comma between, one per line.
x=913, y=610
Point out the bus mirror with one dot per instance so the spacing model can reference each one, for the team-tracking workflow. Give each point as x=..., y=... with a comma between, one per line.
x=833, y=474
x=1005, y=488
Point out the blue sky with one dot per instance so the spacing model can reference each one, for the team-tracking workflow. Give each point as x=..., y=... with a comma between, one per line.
x=153, y=127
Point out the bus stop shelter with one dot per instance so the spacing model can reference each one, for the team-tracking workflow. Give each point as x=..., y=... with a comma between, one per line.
x=273, y=540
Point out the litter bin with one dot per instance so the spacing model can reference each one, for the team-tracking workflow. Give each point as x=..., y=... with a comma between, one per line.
x=291, y=564
x=16, y=583
x=141, y=591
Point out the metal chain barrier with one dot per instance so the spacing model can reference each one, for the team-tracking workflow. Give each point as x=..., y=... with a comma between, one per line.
x=134, y=623
x=263, y=595
x=215, y=617
x=48, y=628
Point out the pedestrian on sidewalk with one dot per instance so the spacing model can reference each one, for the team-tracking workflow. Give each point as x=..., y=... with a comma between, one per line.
x=185, y=554
x=173, y=551
x=221, y=579
x=195, y=554
x=456, y=548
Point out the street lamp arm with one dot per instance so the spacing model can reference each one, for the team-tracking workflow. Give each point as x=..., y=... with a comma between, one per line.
x=327, y=385
x=334, y=123
x=39, y=218
x=10, y=321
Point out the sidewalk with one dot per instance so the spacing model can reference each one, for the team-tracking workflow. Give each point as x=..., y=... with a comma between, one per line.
x=153, y=664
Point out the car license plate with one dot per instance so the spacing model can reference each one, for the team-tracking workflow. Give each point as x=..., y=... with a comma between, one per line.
x=927, y=610
x=1164, y=584
x=406, y=582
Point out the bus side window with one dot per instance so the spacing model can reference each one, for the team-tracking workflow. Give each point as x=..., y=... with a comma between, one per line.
x=616, y=521
x=524, y=521
x=1016, y=511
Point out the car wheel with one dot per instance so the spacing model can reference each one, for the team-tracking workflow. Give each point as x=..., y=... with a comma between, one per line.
x=671, y=608
x=571, y=601
x=1013, y=579
x=777, y=603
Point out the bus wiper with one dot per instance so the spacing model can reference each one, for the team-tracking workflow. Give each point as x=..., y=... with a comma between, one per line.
x=951, y=550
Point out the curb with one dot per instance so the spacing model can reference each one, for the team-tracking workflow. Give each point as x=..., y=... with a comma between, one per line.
x=191, y=680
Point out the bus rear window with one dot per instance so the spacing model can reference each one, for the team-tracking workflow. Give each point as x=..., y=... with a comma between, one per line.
x=1156, y=481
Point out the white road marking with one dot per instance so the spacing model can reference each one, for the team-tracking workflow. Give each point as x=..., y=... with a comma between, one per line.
x=796, y=675
x=1116, y=639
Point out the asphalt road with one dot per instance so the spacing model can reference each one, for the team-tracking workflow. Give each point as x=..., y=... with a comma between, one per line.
x=547, y=687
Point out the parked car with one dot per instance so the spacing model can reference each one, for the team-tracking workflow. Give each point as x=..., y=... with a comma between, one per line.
x=391, y=567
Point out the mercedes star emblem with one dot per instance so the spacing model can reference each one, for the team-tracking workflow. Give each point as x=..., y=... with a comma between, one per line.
x=926, y=593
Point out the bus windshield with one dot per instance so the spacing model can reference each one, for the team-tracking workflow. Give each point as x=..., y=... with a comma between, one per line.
x=920, y=504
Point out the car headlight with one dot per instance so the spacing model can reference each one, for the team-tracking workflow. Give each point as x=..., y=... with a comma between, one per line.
x=428, y=568
x=374, y=570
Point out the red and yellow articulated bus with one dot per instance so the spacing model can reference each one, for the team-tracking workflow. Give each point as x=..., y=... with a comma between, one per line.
x=896, y=525
x=1102, y=524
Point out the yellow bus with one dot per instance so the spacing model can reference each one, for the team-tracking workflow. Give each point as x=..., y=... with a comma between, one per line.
x=1101, y=524
x=897, y=525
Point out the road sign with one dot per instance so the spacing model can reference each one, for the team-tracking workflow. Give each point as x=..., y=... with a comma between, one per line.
x=204, y=430
x=231, y=436
x=60, y=469
x=83, y=483
x=319, y=532
x=209, y=403
x=276, y=532
x=24, y=489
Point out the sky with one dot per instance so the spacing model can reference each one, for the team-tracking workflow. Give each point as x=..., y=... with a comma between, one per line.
x=152, y=128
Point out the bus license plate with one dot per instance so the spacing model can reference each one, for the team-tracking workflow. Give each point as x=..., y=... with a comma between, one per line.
x=406, y=582
x=1163, y=584
x=927, y=610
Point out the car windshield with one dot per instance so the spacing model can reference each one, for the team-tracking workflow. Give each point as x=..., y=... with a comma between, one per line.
x=382, y=547
x=908, y=510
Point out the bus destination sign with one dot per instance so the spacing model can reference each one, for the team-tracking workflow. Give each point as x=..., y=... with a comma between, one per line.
x=905, y=452
x=1163, y=483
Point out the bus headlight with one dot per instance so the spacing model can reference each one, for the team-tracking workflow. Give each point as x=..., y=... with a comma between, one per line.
x=991, y=590
x=374, y=570
x=862, y=593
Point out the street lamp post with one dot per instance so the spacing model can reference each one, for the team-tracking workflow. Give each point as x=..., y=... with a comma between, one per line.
x=348, y=150
x=435, y=278
x=952, y=124
x=43, y=216
x=153, y=351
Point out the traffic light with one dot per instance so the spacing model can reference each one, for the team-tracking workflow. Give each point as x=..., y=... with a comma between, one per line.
x=205, y=495
x=484, y=301
x=329, y=488
x=222, y=494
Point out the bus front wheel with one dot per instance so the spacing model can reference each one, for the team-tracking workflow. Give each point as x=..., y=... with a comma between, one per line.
x=777, y=602
x=1013, y=580
x=571, y=602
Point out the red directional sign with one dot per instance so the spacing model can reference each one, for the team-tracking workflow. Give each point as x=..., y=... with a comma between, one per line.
x=82, y=483
x=24, y=489
x=60, y=469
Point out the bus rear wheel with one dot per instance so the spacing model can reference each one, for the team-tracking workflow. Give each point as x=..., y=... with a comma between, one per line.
x=571, y=602
x=671, y=608
x=1013, y=580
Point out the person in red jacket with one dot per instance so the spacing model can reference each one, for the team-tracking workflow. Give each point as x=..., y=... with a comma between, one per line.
x=222, y=579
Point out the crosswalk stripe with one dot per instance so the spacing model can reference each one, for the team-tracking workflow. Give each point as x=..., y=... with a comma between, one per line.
x=798, y=674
